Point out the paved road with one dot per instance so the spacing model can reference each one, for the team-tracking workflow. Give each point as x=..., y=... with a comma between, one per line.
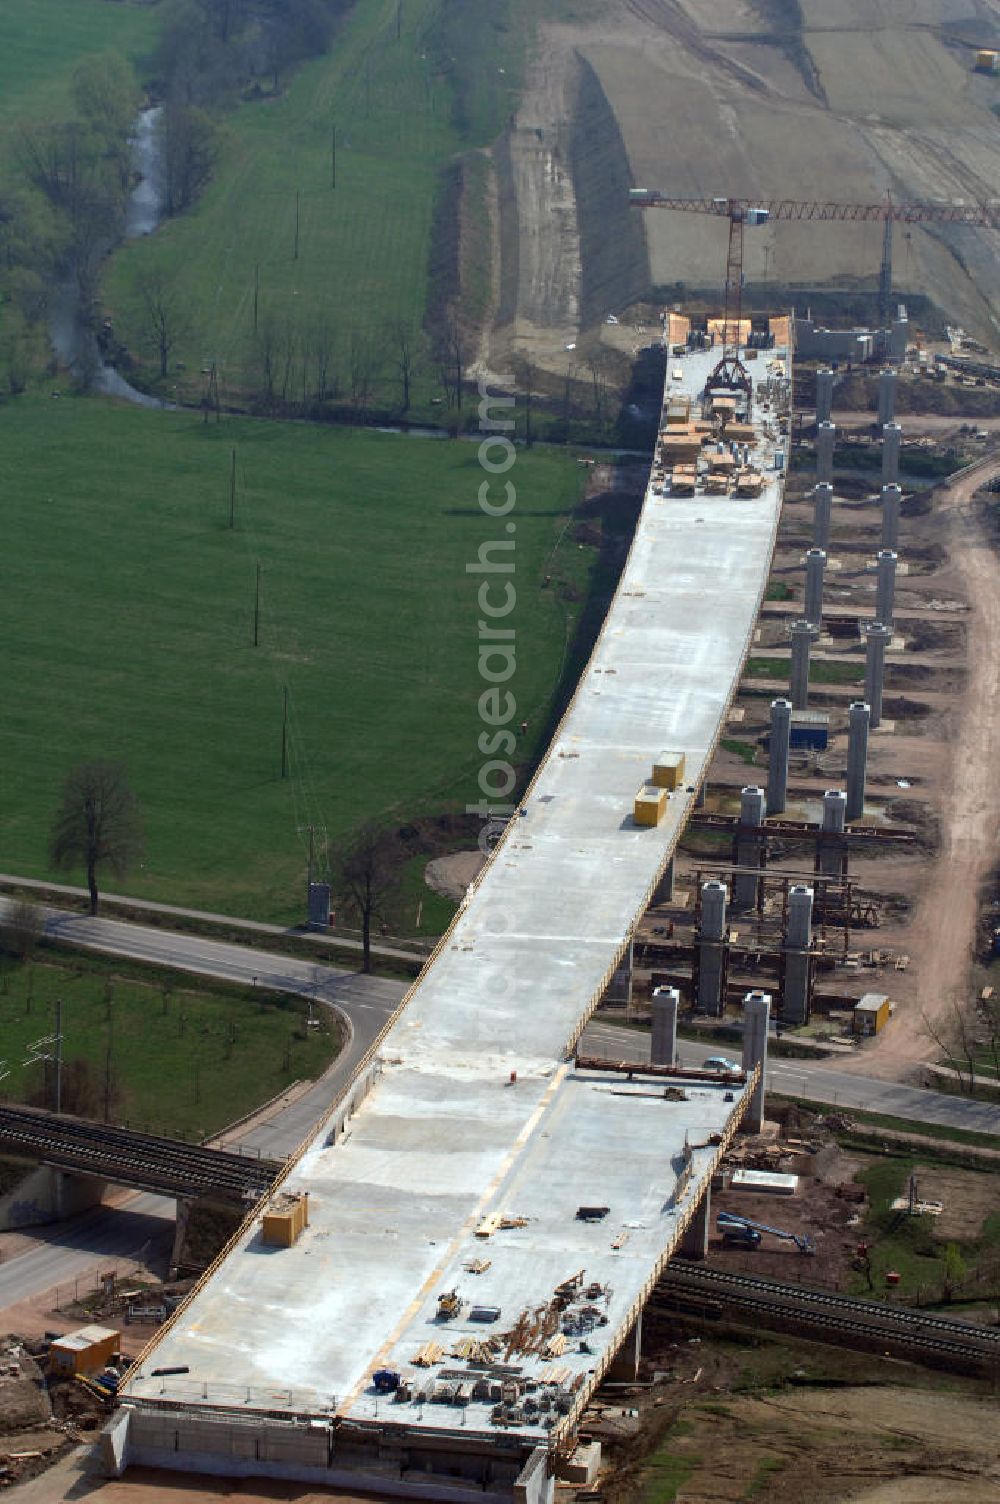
x=817, y=1083
x=207, y=917
x=109, y=1233
x=365, y=1002
x=74, y=1249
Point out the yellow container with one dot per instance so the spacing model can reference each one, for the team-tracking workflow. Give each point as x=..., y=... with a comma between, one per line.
x=650, y=803
x=668, y=770
x=871, y=1014
x=285, y=1217
x=84, y=1351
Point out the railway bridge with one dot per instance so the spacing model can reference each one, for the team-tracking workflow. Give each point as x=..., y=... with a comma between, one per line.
x=145, y=1161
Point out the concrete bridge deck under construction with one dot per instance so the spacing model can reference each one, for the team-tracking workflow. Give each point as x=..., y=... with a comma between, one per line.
x=470, y=1108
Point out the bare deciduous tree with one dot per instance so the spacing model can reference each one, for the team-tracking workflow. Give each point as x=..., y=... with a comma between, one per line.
x=289, y=344
x=525, y=376
x=403, y=336
x=366, y=876
x=163, y=313
x=955, y=1036
x=97, y=823
x=21, y=928
x=363, y=368
x=322, y=352
x=266, y=357
x=597, y=365
x=191, y=148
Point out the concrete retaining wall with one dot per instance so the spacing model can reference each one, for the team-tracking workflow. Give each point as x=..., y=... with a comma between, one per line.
x=48, y=1195
x=314, y=1452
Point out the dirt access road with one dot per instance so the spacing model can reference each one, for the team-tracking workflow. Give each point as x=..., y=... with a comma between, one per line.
x=756, y=97
x=944, y=926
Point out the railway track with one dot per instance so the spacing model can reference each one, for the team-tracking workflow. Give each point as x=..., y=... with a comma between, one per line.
x=140, y=1159
x=938, y=1340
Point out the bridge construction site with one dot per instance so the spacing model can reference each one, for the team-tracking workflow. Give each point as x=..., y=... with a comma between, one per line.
x=471, y=1235
x=810, y=878
x=459, y=1256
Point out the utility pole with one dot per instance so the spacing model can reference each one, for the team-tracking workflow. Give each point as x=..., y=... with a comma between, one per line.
x=256, y=293
x=256, y=610
x=107, y=1064
x=297, y=197
x=333, y=156
x=232, y=491
x=57, y=1061
x=312, y=852
x=284, y=737
x=399, y=19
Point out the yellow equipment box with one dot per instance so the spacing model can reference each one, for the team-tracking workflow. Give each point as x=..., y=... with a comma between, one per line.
x=650, y=803
x=668, y=770
x=285, y=1217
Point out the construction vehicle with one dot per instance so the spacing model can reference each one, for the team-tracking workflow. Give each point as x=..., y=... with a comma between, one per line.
x=742, y=1231
x=449, y=1305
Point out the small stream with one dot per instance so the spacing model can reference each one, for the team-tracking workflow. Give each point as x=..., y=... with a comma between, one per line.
x=72, y=338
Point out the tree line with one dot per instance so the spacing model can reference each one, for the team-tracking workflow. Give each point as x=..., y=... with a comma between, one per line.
x=214, y=51
x=65, y=189
x=62, y=205
x=307, y=366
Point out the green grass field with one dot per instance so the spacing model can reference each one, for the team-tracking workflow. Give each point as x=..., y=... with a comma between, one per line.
x=188, y=1059
x=910, y=1245
x=821, y=671
x=127, y=610
x=43, y=41
x=402, y=108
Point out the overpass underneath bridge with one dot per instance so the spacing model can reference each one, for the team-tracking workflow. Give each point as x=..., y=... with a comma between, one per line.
x=487, y=1214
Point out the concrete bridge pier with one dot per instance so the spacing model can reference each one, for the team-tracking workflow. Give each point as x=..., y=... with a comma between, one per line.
x=797, y=957
x=664, y=890
x=777, y=756
x=619, y=989
x=749, y=846
x=663, y=1047
x=711, y=990
x=624, y=1367
x=822, y=514
x=831, y=848
x=694, y=1240
x=756, y=1019
x=892, y=498
x=184, y=1205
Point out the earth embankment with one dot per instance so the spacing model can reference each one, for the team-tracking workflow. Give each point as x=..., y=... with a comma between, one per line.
x=777, y=100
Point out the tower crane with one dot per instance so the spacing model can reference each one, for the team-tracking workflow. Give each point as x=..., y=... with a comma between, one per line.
x=744, y=211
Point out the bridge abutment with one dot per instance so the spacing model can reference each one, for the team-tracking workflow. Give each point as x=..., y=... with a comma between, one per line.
x=49, y=1195
x=535, y=1484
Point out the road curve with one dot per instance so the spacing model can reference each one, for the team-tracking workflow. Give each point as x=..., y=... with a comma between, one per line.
x=111, y=1233
x=365, y=1002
